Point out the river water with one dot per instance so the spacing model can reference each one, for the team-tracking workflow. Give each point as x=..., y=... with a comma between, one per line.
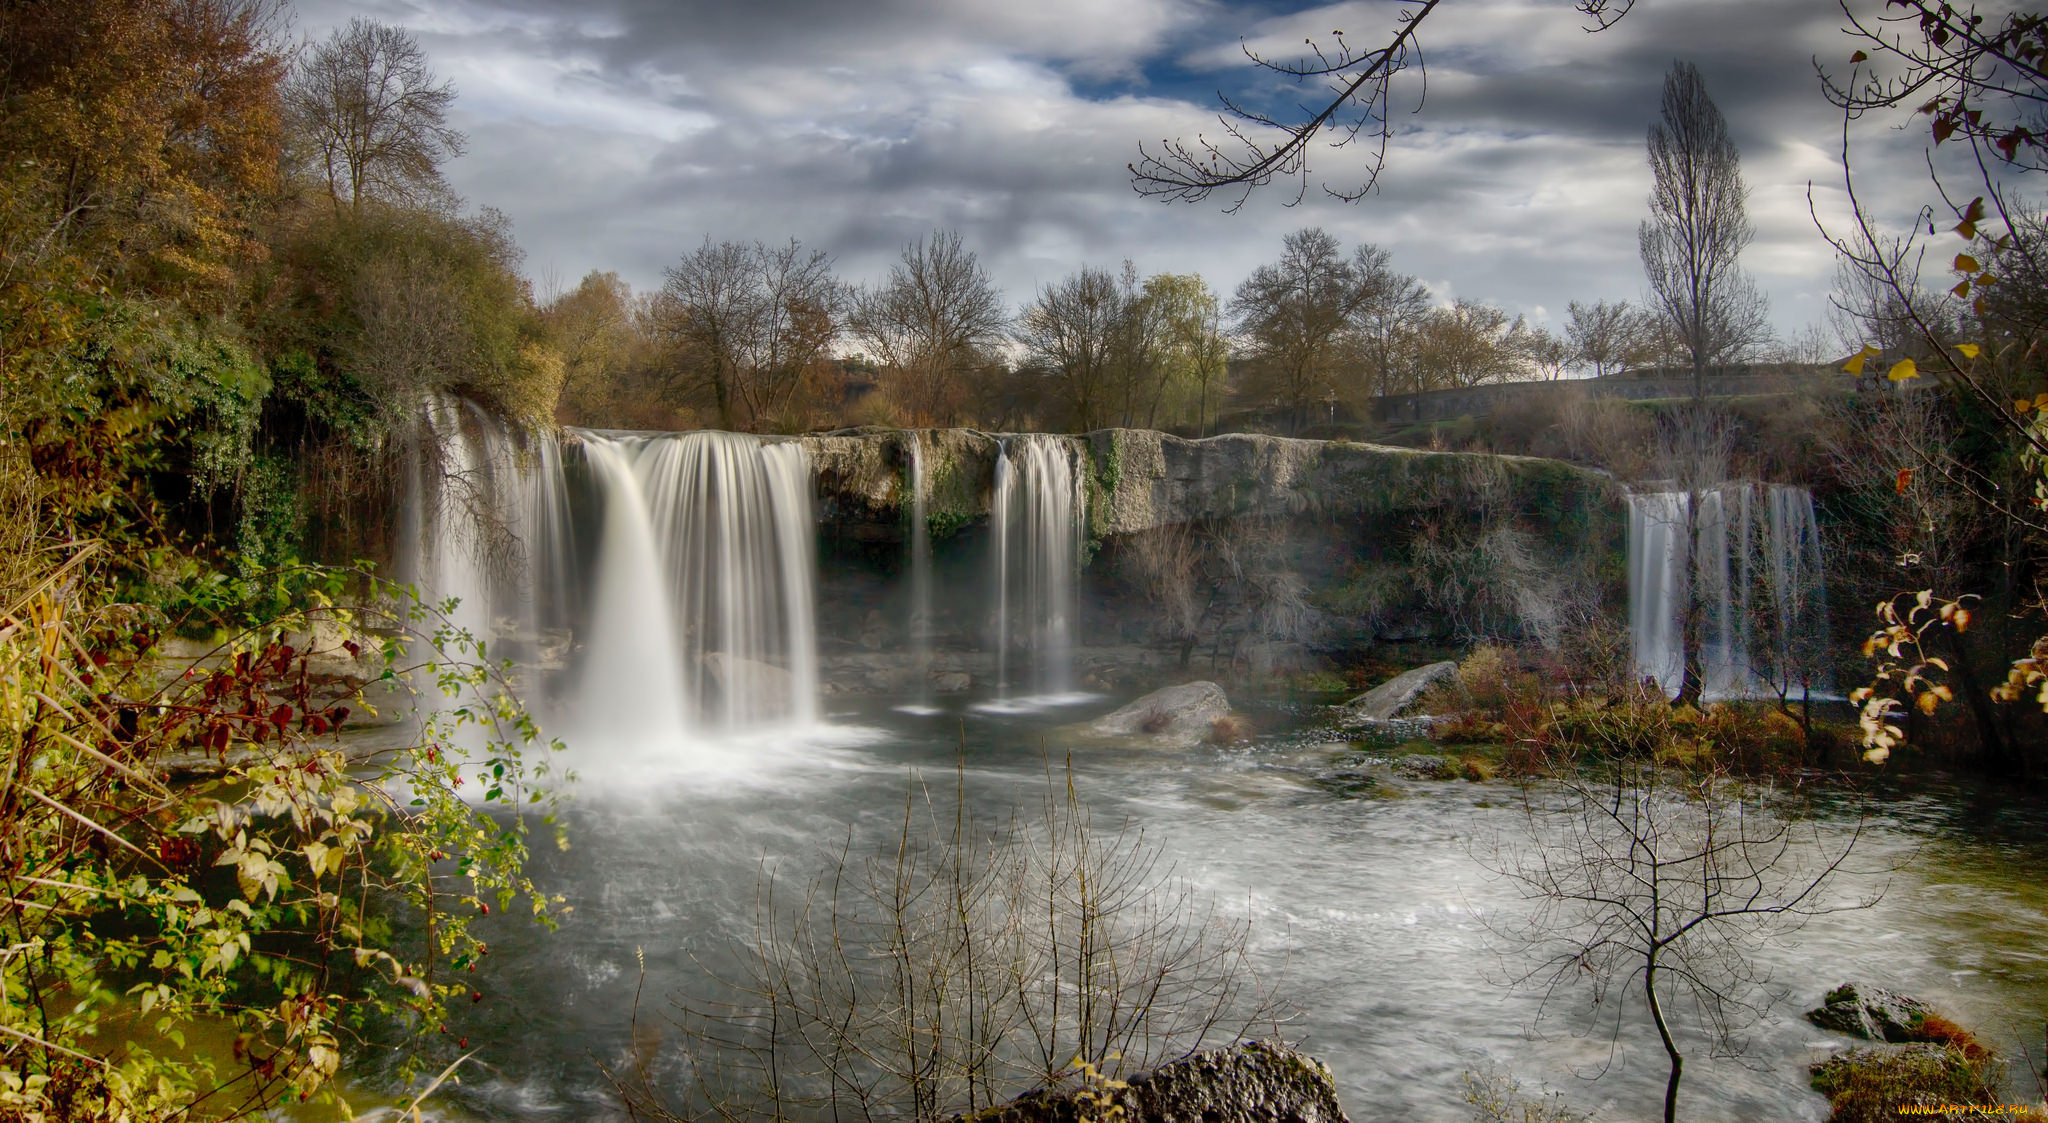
x=1368, y=906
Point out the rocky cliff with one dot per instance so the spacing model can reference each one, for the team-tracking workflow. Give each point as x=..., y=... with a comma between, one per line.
x=1239, y=551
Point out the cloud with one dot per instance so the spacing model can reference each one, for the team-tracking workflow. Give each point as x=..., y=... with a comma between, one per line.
x=619, y=134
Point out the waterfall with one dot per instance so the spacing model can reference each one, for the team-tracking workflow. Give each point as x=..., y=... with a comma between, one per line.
x=726, y=520
x=920, y=536
x=631, y=699
x=1037, y=511
x=484, y=533
x=1758, y=579
x=485, y=524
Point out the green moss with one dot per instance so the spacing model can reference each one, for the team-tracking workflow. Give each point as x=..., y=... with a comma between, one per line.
x=1868, y=1085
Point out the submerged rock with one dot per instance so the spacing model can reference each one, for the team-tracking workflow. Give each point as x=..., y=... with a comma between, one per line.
x=1873, y=1014
x=1422, y=766
x=1176, y=716
x=765, y=677
x=1392, y=698
x=1251, y=1082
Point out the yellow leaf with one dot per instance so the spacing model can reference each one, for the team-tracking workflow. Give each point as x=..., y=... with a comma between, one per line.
x=1966, y=264
x=1967, y=229
x=1961, y=290
x=1903, y=370
x=1968, y=350
x=1927, y=703
x=1876, y=755
x=2041, y=400
x=2023, y=405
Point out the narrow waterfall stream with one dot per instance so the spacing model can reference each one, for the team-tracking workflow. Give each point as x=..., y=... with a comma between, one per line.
x=1038, y=510
x=919, y=625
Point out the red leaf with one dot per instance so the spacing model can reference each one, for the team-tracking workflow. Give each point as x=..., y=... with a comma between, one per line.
x=1905, y=477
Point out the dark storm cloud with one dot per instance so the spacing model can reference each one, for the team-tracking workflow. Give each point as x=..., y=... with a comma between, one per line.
x=619, y=134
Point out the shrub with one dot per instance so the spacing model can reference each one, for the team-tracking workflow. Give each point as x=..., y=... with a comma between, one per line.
x=951, y=967
x=114, y=866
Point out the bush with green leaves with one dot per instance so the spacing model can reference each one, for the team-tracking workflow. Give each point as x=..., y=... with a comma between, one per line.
x=294, y=898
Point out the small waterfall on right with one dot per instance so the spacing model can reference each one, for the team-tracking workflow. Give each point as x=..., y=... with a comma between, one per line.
x=1037, y=513
x=1758, y=579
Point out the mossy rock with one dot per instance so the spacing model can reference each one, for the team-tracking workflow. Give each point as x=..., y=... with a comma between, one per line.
x=1873, y=1084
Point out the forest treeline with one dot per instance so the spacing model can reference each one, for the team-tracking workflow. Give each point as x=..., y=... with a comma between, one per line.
x=753, y=336
x=249, y=250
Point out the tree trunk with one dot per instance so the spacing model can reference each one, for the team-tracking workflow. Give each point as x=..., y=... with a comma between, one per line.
x=1670, y=1046
x=1692, y=628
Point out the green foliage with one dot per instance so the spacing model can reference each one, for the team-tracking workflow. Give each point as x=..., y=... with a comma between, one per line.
x=945, y=524
x=124, y=938
x=395, y=303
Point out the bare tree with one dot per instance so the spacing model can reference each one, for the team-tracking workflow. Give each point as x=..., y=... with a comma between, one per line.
x=366, y=103
x=1467, y=344
x=1698, y=227
x=1665, y=882
x=1074, y=331
x=1393, y=304
x=953, y=966
x=750, y=322
x=1296, y=317
x=1257, y=146
x=934, y=323
x=1602, y=335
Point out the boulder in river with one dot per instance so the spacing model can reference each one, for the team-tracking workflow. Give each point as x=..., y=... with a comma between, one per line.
x=1392, y=698
x=1250, y=1082
x=1174, y=716
x=1870, y=1013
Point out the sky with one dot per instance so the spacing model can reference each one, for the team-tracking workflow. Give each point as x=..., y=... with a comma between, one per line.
x=618, y=134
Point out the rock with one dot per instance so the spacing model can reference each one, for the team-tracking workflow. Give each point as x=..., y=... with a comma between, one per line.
x=951, y=682
x=1176, y=716
x=1251, y=1082
x=1389, y=699
x=1885, y=1081
x=762, y=680
x=1421, y=766
x=1874, y=1014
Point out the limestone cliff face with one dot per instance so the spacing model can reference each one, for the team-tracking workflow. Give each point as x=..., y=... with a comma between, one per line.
x=1140, y=479
x=1239, y=550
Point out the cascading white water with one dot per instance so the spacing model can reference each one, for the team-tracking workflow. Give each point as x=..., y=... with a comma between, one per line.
x=1745, y=558
x=920, y=536
x=631, y=699
x=485, y=519
x=484, y=536
x=1037, y=511
x=728, y=518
